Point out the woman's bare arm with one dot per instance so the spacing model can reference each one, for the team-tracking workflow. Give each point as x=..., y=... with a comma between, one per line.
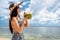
x=20, y=3
x=16, y=25
x=27, y=24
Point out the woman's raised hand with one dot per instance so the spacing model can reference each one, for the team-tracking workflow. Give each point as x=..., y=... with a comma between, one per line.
x=17, y=4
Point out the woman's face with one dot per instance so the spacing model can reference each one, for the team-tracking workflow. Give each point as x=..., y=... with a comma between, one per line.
x=18, y=10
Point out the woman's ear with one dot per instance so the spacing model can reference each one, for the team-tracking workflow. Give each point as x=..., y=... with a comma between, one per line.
x=11, y=9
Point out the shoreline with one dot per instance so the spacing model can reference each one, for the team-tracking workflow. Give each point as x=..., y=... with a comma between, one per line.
x=5, y=39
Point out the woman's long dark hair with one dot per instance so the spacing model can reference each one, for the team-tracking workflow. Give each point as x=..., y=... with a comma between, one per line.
x=13, y=14
x=12, y=5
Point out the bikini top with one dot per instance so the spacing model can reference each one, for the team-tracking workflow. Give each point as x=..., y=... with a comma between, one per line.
x=19, y=22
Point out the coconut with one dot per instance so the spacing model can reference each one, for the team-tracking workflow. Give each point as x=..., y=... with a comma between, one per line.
x=27, y=15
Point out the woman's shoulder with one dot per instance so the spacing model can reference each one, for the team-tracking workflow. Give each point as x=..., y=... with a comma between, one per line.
x=14, y=19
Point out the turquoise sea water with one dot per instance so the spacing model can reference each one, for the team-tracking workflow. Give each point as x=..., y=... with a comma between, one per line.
x=35, y=33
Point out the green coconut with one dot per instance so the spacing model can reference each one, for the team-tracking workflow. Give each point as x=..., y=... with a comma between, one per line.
x=29, y=16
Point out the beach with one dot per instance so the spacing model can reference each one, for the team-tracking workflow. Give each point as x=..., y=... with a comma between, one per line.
x=34, y=33
x=33, y=38
x=4, y=39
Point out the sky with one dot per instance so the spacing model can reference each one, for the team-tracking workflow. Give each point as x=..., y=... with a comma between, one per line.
x=45, y=13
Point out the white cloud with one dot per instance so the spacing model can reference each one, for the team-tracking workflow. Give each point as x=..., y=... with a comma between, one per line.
x=38, y=7
x=40, y=4
x=42, y=15
x=58, y=12
x=4, y=17
x=27, y=9
x=49, y=2
x=48, y=16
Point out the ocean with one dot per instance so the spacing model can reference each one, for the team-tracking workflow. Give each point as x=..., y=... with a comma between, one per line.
x=35, y=33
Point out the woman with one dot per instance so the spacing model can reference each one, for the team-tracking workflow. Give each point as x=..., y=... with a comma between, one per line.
x=16, y=30
x=13, y=5
x=14, y=26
